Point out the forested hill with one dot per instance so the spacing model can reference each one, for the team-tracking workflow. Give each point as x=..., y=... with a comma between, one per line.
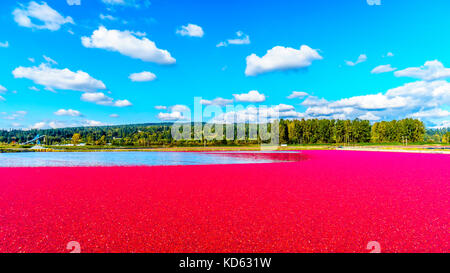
x=309, y=131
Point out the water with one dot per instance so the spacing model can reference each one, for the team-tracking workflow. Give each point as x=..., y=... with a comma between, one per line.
x=70, y=159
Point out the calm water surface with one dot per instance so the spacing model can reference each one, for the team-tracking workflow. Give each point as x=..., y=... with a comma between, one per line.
x=67, y=159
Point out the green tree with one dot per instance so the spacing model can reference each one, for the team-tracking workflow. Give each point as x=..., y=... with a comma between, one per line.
x=76, y=138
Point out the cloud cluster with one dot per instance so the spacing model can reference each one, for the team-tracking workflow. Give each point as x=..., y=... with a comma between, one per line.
x=297, y=94
x=217, y=101
x=421, y=99
x=65, y=79
x=383, y=69
x=374, y=2
x=281, y=58
x=176, y=113
x=114, y=2
x=131, y=3
x=107, y=17
x=53, y=78
x=4, y=44
x=74, y=2
x=68, y=112
x=362, y=58
x=144, y=76
x=190, y=30
x=49, y=60
x=14, y=116
x=251, y=96
x=126, y=43
x=432, y=113
x=101, y=99
x=49, y=18
x=55, y=124
x=254, y=114
x=242, y=39
x=430, y=71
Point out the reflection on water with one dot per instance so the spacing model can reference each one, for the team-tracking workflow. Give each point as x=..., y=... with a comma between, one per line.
x=142, y=158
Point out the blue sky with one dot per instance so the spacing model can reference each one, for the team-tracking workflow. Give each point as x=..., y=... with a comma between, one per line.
x=71, y=63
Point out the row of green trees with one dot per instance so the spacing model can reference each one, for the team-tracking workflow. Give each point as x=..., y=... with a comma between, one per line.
x=311, y=131
x=305, y=131
x=438, y=135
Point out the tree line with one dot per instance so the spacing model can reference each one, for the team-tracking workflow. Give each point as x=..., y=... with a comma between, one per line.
x=305, y=131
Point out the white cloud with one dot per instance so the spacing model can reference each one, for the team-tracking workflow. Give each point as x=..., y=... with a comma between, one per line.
x=114, y=116
x=254, y=114
x=138, y=33
x=107, y=17
x=297, y=94
x=191, y=30
x=372, y=102
x=315, y=111
x=177, y=112
x=160, y=107
x=69, y=112
x=251, y=96
x=369, y=116
x=16, y=115
x=179, y=108
x=383, y=69
x=39, y=125
x=31, y=60
x=64, y=79
x=49, y=60
x=4, y=44
x=144, y=76
x=281, y=58
x=49, y=18
x=430, y=71
x=74, y=2
x=283, y=107
x=93, y=123
x=314, y=101
x=34, y=88
x=374, y=2
x=127, y=44
x=362, y=58
x=2, y=89
x=54, y=124
x=420, y=99
x=242, y=39
x=172, y=116
x=217, y=101
x=102, y=99
x=423, y=93
x=390, y=54
x=122, y=103
x=432, y=113
x=22, y=112
x=114, y=2
x=133, y=3
x=99, y=98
